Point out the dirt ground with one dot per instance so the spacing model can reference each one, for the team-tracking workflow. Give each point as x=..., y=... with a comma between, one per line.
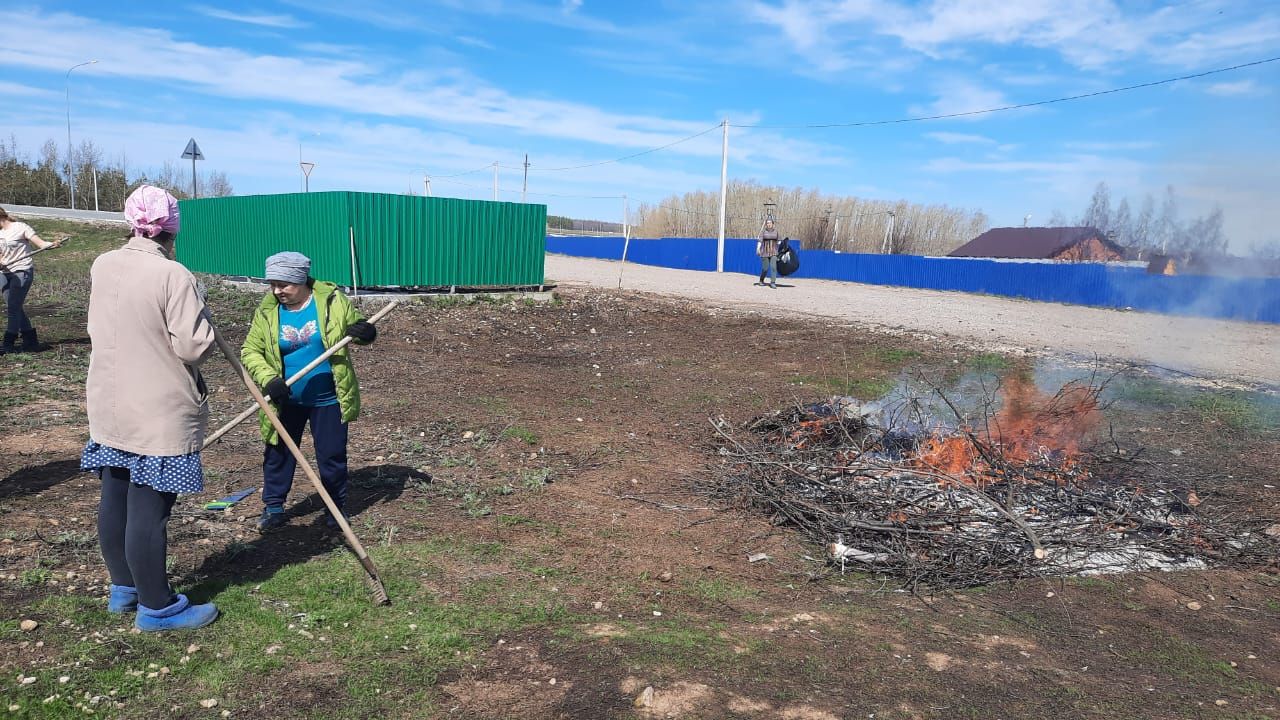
x=1215, y=349
x=571, y=435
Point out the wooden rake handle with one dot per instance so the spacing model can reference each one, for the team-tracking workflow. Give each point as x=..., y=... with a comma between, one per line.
x=354, y=542
x=253, y=408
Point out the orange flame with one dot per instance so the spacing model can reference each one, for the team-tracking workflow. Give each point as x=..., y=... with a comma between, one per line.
x=1030, y=426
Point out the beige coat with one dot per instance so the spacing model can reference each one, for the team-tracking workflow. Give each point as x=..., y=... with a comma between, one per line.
x=150, y=330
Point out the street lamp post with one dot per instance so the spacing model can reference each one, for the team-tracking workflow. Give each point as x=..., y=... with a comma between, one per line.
x=71, y=174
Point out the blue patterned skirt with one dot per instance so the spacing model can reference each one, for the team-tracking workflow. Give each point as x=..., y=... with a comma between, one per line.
x=165, y=473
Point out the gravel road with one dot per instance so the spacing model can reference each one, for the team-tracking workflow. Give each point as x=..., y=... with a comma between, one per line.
x=1215, y=349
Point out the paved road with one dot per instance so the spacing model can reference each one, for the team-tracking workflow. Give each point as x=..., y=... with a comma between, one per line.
x=1220, y=349
x=64, y=214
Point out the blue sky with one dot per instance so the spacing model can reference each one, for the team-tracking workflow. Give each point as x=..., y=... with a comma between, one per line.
x=380, y=93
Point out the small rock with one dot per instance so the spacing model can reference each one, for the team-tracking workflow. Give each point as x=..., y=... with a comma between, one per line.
x=193, y=649
x=28, y=625
x=1220, y=703
x=27, y=680
x=665, y=576
x=64, y=679
x=645, y=698
x=273, y=649
x=15, y=708
x=552, y=681
x=597, y=605
x=657, y=613
x=758, y=557
x=468, y=435
x=1048, y=594
x=226, y=713
x=1193, y=605
x=210, y=703
x=184, y=659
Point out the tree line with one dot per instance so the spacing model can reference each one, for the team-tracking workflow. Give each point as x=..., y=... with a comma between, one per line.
x=1157, y=227
x=844, y=223
x=43, y=180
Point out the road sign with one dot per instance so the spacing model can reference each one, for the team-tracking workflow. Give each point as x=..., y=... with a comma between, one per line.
x=193, y=151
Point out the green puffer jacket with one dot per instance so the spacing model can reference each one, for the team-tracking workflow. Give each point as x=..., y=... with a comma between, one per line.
x=261, y=351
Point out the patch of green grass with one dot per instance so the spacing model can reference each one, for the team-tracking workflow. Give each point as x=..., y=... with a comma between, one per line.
x=1236, y=409
x=987, y=362
x=292, y=629
x=474, y=505
x=535, y=478
x=1188, y=661
x=720, y=590
x=34, y=577
x=523, y=434
x=675, y=644
x=861, y=388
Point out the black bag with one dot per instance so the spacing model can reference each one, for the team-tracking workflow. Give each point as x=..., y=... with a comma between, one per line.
x=788, y=260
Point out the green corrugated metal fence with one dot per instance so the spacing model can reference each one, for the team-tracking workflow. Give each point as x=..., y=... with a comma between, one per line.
x=400, y=240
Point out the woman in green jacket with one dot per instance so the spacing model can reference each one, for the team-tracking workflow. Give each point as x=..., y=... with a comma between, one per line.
x=294, y=324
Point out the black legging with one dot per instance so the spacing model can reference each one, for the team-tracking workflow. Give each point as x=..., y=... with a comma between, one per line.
x=132, y=522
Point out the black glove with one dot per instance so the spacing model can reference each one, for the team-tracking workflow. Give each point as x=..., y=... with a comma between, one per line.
x=362, y=330
x=278, y=390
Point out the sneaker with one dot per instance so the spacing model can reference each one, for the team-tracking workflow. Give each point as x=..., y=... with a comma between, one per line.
x=272, y=519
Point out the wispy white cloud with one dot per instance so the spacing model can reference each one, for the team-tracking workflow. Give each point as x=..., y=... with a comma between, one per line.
x=1086, y=33
x=961, y=95
x=570, y=5
x=9, y=89
x=1234, y=89
x=1109, y=145
x=953, y=138
x=250, y=18
x=474, y=42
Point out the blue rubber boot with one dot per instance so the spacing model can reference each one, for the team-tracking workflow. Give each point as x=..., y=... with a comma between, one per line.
x=181, y=615
x=123, y=599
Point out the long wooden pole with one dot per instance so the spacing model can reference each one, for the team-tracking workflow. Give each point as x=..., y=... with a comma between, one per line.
x=379, y=591
x=253, y=408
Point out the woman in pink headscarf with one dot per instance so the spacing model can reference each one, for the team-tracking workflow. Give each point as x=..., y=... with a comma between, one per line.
x=148, y=408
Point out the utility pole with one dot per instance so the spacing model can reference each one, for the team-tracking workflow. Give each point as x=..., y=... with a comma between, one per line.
x=495, y=180
x=835, y=233
x=524, y=186
x=724, y=186
x=626, y=217
x=95, y=188
x=888, y=234
x=426, y=180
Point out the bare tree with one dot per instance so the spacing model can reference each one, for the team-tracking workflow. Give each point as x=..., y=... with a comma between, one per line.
x=1269, y=250
x=852, y=225
x=1098, y=215
x=1143, y=228
x=1121, y=225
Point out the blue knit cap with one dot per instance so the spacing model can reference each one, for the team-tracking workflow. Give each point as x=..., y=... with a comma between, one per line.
x=290, y=267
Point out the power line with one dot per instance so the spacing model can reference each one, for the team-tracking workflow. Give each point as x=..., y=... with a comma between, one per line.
x=633, y=155
x=1018, y=106
x=469, y=172
x=531, y=192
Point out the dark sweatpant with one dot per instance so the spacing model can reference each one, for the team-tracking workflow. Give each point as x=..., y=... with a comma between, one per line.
x=132, y=533
x=328, y=434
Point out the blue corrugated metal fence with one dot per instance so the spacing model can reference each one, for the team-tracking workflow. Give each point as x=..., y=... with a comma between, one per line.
x=1254, y=299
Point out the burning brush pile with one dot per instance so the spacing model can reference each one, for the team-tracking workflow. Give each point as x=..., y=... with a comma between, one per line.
x=892, y=488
